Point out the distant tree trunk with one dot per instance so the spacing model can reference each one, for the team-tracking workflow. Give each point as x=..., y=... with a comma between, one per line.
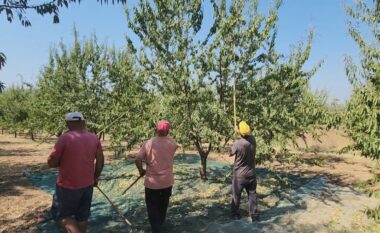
x=32, y=136
x=203, y=154
x=103, y=136
x=15, y=134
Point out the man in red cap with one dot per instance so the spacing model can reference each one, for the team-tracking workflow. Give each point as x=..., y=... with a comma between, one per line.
x=158, y=153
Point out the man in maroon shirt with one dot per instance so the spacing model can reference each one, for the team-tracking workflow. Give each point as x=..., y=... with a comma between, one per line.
x=75, y=153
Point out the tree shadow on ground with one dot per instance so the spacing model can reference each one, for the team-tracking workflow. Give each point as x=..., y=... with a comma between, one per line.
x=13, y=176
x=193, y=213
x=17, y=152
x=10, y=142
x=202, y=206
x=340, y=169
x=181, y=158
x=196, y=214
x=29, y=222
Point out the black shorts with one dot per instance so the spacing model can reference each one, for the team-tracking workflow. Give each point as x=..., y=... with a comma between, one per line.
x=74, y=203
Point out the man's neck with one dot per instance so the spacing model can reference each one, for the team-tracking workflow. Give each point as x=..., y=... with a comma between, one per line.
x=161, y=134
x=77, y=129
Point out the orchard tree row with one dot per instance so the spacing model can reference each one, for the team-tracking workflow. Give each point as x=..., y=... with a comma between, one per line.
x=178, y=72
x=362, y=116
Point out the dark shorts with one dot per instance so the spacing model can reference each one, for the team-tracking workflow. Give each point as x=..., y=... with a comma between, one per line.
x=74, y=203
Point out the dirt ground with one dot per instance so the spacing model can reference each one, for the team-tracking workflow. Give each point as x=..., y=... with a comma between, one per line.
x=21, y=203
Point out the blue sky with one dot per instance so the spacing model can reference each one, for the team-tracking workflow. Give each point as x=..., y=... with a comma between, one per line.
x=27, y=49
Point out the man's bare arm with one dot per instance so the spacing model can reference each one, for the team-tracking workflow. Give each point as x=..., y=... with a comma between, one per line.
x=139, y=166
x=53, y=161
x=99, y=164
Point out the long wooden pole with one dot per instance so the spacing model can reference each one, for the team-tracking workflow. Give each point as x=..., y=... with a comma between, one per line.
x=130, y=186
x=234, y=84
x=111, y=123
x=234, y=99
x=115, y=207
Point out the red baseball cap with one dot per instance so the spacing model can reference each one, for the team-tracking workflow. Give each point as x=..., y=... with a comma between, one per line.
x=163, y=125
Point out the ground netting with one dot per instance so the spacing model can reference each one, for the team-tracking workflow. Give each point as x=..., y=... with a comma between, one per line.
x=195, y=205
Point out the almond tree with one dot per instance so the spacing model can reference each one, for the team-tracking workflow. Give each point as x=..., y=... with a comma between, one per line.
x=363, y=110
x=15, y=113
x=104, y=84
x=75, y=79
x=2, y=87
x=278, y=100
x=192, y=76
x=129, y=102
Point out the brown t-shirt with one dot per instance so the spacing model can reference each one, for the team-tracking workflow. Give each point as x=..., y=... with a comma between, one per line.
x=244, y=150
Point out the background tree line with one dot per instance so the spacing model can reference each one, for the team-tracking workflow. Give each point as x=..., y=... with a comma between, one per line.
x=188, y=77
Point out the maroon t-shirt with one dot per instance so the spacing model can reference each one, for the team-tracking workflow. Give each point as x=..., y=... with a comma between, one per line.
x=76, y=151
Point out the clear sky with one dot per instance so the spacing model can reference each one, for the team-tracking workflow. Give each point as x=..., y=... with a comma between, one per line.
x=27, y=49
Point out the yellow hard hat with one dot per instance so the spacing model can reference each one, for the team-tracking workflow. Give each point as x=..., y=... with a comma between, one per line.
x=244, y=128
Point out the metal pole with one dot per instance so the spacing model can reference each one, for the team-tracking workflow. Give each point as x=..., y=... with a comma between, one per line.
x=115, y=207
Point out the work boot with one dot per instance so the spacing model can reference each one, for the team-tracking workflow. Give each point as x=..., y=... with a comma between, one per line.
x=255, y=218
x=235, y=216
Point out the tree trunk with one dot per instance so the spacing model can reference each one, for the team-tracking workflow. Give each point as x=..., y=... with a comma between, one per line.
x=203, y=154
x=203, y=168
x=15, y=134
x=32, y=135
x=101, y=135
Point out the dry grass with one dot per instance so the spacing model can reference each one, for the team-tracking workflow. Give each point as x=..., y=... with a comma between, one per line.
x=20, y=201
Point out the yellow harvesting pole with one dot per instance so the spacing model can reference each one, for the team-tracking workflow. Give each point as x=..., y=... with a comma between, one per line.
x=234, y=99
x=234, y=84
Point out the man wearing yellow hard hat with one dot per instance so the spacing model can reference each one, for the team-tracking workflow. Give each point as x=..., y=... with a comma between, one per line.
x=244, y=175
